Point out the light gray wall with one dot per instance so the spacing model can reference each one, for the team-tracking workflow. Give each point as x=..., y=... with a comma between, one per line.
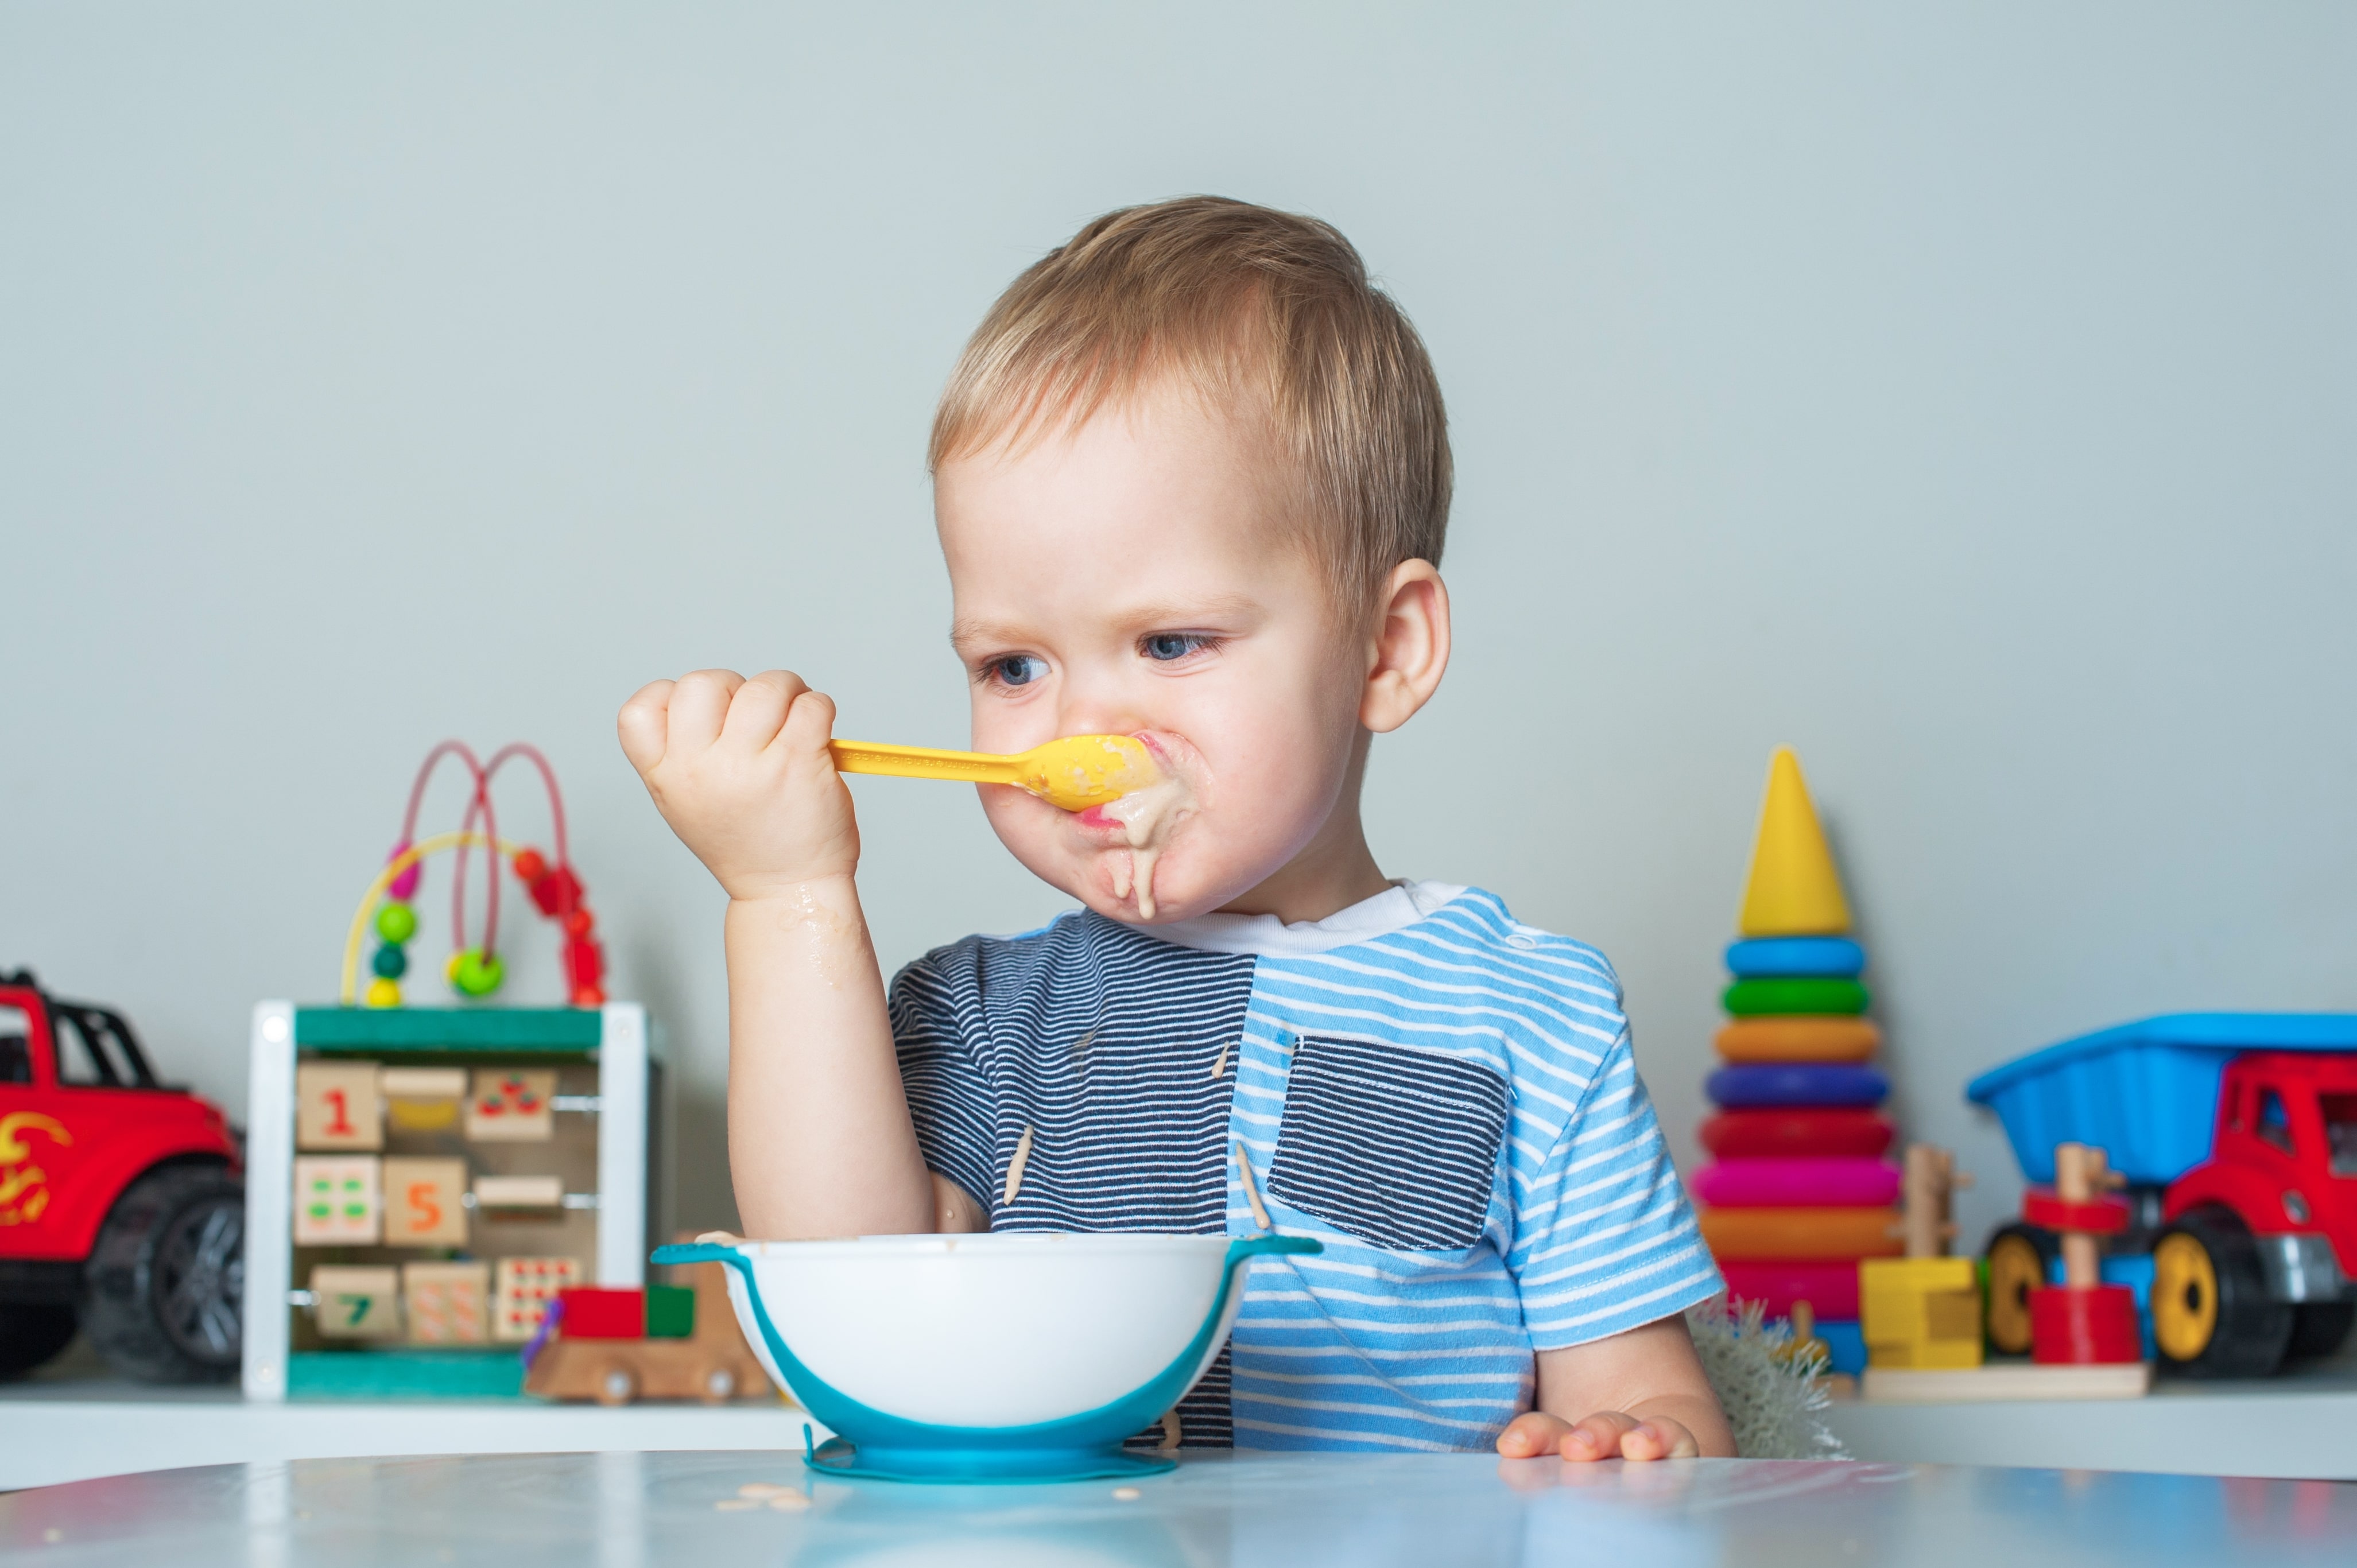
x=1962, y=394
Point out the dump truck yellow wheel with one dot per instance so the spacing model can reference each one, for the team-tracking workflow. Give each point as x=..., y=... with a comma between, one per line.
x=2015, y=1267
x=2184, y=1296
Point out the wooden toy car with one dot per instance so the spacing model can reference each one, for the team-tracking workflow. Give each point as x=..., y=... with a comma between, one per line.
x=121, y=1208
x=712, y=1363
x=2236, y=1136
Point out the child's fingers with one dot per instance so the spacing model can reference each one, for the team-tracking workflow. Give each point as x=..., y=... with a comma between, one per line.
x=699, y=703
x=1532, y=1433
x=643, y=724
x=809, y=723
x=758, y=711
x=1598, y=1436
x=1659, y=1438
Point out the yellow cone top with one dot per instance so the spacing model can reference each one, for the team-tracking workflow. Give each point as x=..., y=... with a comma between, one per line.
x=1793, y=889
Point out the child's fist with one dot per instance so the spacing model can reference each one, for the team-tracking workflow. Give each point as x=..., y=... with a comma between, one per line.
x=1607, y=1435
x=741, y=771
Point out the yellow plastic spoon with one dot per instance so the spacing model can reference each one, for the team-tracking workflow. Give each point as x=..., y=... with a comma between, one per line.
x=1076, y=772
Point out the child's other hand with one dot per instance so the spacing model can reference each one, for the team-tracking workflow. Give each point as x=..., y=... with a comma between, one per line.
x=741, y=771
x=1607, y=1435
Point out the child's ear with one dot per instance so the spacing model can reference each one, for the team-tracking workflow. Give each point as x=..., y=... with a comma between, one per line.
x=1408, y=651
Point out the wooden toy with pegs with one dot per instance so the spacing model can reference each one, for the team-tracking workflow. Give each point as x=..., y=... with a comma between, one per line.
x=2082, y=1321
x=666, y=1342
x=1922, y=1310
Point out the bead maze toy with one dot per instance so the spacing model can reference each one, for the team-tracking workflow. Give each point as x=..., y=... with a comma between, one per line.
x=1798, y=1190
x=425, y=1181
x=476, y=970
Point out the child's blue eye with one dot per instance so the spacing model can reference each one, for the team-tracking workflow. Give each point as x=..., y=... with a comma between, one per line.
x=1018, y=669
x=1166, y=646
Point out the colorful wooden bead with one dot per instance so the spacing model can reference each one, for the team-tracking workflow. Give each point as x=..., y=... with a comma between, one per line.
x=389, y=961
x=1797, y=1131
x=403, y=886
x=382, y=993
x=476, y=973
x=1799, y=1038
x=1768, y=956
x=529, y=866
x=580, y=922
x=1809, y=1083
x=396, y=922
x=1752, y=998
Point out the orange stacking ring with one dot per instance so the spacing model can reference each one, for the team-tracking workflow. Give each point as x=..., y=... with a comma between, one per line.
x=1801, y=1233
x=1800, y=1037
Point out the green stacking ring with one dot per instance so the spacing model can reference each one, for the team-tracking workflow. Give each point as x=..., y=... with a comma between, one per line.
x=1754, y=998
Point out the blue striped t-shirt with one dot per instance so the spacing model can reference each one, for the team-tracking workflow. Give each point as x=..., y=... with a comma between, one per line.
x=1443, y=1096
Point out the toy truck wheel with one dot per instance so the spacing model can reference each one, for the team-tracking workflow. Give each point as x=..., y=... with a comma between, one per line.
x=2210, y=1314
x=2018, y=1259
x=2318, y=1327
x=166, y=1282
x=716, y=1384
x=31, y=1332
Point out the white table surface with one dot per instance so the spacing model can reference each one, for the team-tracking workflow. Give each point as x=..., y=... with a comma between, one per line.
x=631, y=1510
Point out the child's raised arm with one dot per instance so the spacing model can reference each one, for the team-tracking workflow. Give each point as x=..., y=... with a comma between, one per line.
x=819, y=1138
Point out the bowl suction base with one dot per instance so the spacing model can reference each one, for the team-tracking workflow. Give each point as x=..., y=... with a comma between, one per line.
x=985, y=1466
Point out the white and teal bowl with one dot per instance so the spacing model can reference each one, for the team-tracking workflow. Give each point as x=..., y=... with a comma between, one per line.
x=987, y=1358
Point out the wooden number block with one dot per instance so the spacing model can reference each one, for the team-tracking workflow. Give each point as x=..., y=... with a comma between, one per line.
x=357, y=1304
x=422, y=1099
x=526, y=1286
x=336, y=1106
x=336, y=1200
x=448, y=1304
x=511, y=1106
x=424, y=1203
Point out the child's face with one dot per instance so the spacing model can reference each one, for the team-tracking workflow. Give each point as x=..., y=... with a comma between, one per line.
x=1134, y=577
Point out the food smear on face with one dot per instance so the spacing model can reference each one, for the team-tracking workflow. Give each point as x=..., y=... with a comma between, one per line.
x=1150, y=817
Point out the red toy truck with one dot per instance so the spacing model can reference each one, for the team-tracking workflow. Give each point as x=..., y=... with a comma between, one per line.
x=2237, y=1136
x=121, y=1210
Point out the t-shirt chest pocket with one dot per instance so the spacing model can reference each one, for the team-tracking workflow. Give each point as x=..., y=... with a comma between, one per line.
x=1395, y=1146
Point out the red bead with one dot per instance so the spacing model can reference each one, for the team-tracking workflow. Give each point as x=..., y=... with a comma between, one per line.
x=578, y=923
x=598, y=1313
x=584, y=963
x=556, y=891
x=588, y=996
x=528, y=865
x=2083, y=1328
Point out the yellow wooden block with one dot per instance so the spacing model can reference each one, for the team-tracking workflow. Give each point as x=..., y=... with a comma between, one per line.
x=1920, y=1311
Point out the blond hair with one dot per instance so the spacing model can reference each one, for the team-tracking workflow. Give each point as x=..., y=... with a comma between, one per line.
x=1258, y=307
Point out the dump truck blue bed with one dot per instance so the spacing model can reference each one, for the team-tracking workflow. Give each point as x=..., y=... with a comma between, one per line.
x=2146, y=1093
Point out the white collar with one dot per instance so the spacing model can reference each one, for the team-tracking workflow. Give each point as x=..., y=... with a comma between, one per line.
x=1401, y=905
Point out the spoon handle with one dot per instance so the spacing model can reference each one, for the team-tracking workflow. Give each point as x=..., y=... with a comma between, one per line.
x=923, y=762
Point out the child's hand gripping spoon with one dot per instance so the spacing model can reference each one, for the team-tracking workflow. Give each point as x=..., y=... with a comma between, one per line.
x=1076, y=773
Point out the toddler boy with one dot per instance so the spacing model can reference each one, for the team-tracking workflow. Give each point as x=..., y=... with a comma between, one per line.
x=1192, y=478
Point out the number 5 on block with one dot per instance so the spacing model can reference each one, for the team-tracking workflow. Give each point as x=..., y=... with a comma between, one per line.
x=424, y=1203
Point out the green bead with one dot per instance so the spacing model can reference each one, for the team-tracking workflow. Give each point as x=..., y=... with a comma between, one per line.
x=389, y=961
x=396, y=922
x=1769, y=997
x=478, y=973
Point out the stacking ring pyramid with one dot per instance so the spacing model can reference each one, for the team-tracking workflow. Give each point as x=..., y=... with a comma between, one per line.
x=1797, y=1191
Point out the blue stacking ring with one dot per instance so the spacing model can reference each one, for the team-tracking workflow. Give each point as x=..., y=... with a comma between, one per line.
x=1776, y=958
x=1796, y=1083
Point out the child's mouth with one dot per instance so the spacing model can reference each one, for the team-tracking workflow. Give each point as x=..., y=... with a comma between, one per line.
x=1146, y=819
